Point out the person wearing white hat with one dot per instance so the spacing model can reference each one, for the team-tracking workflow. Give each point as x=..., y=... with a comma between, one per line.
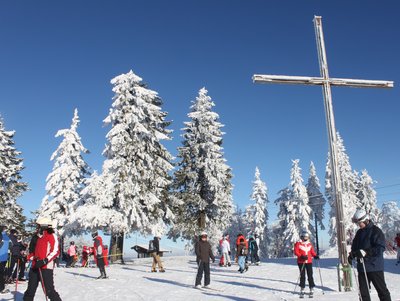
x=45, y=252
x=368, y=246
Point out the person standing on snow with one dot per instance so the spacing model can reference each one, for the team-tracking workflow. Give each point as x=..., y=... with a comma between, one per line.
x=45, y=252
x=304, y=251
x=203, y=255
x=155, y=253
x=72, y=255
x=226, y=251
x=397, y=242
x=242, y=252
x=4, y=243
x=368, y=247
x=253, y=250
x=98, y=249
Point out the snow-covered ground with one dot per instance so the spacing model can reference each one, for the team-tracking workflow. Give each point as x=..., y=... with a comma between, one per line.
x=272, y=280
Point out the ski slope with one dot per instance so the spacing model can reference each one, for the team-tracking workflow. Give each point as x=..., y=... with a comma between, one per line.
x=273, y=280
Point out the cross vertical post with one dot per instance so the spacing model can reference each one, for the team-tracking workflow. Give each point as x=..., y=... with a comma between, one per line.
x=326, y=82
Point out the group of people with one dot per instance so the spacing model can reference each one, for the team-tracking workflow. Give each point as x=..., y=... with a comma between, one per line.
x=42, y=254
x=367, y=248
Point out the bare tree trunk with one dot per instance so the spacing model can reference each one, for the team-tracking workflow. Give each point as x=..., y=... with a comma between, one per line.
x=117, y=248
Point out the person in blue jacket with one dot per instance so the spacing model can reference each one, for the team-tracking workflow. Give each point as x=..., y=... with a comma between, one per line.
x=4, y=245
x=368, y=247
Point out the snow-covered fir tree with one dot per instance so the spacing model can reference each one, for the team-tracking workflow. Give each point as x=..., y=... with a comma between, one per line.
x=389, y=219
x=12, y=187
x=316, y=199
x=298, y=211
x=260, y=212
x=277, y=241
x=366, y=194
x=131, y=193
x=349, y=198
x=67, y=179
x=202, y=181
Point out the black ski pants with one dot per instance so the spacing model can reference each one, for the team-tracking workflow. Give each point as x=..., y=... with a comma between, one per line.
x=35, y=279
x=2, y=275
x=378, y=280
x=101, y=265
x=204, y=267
x=306, y=267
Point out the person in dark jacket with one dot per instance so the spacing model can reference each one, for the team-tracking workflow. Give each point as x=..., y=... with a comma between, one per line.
x=203, y=255
x=368, y=247
x=155, y=253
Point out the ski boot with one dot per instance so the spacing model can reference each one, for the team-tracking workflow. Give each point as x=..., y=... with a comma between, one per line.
x=311, y=293
x=302, y=293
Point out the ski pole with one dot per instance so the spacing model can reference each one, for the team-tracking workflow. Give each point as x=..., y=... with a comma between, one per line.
x=320, y=277
x=298, y=279
x=42, y=282
x=366, y=277
x=357, y=284
x=16, y=282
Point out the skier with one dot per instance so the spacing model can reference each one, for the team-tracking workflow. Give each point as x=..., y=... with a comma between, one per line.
x=72, y=255
x=242, y=252
x=397, y=242
x=368, y=247
x=203, y=255
x=155, y=253
x=238, y=237
x=253, y=250
x=45, y=252
x=15, y=254
x=4, y=242
x=98, y=249
x=226, y=251
x=304, y=251
x=19, y=251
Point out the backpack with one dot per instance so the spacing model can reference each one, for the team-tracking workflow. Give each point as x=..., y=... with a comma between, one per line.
x=244, y=251
x=151, y=245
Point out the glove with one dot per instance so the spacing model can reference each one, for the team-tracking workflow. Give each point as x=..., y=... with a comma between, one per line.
x=350, y=259
x=316, y=257
x=303, y=257
x=41, y=263
x=213, y=260
x=229, y=252
x=360, y=253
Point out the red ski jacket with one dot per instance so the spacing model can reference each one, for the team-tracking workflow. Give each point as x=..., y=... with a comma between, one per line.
x=46, y=247
x=304, y=248
x=98, y=248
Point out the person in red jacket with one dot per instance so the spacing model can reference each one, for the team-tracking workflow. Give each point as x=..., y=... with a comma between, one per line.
x=46, y=250
x=98, y=250
x=305, y=252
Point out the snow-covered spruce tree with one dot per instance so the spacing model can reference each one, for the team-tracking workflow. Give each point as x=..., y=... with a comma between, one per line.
x=389, y=218
x=135, y=178
x=276, y=248
x=202, y=181
x=11, y=166
x=260, y=212
x=349, y=198
x=316, y=199
x=366, y=194
x=298, y=211
x=67, y=179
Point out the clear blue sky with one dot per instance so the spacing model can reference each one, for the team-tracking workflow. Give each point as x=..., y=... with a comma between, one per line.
x=59, y=55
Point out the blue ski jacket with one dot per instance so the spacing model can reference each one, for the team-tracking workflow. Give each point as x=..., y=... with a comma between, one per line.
x=4, y=247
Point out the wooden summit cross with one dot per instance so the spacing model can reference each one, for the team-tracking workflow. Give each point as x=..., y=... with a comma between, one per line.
x=326, y=82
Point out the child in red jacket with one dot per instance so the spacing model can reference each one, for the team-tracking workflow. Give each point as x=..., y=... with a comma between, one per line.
x=304, y=251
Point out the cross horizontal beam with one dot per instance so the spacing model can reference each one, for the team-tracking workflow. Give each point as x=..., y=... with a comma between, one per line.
x=319, y=81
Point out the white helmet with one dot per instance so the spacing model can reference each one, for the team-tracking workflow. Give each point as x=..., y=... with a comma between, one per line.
x=360, y=216
x=44, y=221
x=304, y=234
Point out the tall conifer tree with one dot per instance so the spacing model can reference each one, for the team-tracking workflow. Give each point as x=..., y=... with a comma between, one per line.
x=12, y=187
x=202, y=182
x=67, y=179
